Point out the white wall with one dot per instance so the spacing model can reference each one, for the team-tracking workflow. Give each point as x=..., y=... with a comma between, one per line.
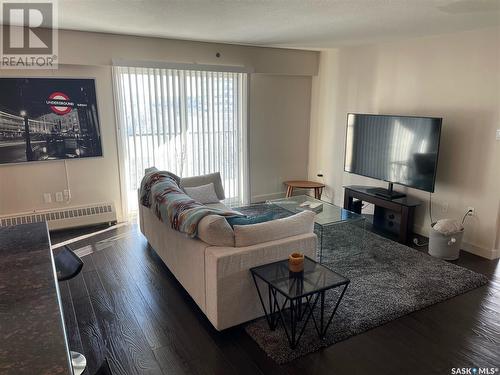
x=281, y=76
x=454, y=76
x=279, y=137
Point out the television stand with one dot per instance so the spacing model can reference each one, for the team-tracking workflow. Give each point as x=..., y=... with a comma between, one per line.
x=392, y=217
x=388, y=193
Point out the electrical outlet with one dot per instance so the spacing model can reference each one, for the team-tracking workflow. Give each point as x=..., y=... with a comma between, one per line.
x=67, y=194
x=47, y=197
x=59, y=196
x=471, y=211
x=498, y=135
x=444, y=207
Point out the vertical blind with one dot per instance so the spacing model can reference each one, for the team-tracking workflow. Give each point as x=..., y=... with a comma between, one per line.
x=189, y=122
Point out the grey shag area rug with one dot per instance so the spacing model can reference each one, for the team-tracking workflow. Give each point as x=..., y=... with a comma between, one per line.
x=388, y=280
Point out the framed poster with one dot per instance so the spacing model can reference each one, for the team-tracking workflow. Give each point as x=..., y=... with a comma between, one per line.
x=48, y=119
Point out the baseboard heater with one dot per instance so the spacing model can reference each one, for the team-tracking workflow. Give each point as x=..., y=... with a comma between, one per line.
x=66, y=217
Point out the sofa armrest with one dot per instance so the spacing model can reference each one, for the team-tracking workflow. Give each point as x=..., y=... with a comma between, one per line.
x=231, y=297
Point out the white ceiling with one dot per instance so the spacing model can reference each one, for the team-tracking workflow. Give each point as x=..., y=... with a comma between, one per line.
x=281, y=23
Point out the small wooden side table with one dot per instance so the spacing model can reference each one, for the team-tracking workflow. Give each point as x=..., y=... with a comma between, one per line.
x=318, y=187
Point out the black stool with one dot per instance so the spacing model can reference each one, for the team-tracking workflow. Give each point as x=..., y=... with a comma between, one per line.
x=69, y=265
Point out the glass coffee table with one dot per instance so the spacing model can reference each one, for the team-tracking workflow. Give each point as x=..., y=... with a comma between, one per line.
x=291, y=297
x=330, y=221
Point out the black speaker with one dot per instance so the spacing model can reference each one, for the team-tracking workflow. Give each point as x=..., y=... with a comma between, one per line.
x=386, y=220
x=356, y=206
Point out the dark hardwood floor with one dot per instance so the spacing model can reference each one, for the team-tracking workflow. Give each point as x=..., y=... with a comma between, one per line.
x=127, y=307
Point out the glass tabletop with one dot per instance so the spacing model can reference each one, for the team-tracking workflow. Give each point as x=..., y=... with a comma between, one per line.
x=315, y=278
x=326, y=213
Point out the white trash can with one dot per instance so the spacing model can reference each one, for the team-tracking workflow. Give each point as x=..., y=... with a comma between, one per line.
x=445, y=246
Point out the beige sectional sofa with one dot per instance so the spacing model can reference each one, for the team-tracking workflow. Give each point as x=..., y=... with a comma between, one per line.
x=214, y=267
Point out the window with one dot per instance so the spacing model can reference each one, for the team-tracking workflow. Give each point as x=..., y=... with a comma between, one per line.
x=189, y=122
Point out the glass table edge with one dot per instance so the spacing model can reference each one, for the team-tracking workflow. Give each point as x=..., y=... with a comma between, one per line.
x=332, y=286
x=354, y=219
x=346, y=281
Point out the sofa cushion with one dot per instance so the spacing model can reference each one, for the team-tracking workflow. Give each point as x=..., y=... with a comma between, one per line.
x=248, y=235
x=203, y=193
x=203, y=180
x=215, y=230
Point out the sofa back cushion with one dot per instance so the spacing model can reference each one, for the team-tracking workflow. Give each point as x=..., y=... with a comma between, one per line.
x=215, y=230
x=204, y=180
x=248, y=235
x=203, y=194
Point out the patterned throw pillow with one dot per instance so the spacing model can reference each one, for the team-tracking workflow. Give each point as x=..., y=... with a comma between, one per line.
x=203, y=194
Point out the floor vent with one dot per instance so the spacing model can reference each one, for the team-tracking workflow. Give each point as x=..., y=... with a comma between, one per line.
x=65, y=217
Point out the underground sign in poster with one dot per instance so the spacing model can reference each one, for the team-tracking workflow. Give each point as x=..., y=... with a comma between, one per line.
x=48, y=119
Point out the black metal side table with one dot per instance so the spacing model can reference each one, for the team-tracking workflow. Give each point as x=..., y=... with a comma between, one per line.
x=293, y=298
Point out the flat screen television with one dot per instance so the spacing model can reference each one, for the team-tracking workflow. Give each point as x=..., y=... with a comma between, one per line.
x=398, y=149
x=48, y=119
